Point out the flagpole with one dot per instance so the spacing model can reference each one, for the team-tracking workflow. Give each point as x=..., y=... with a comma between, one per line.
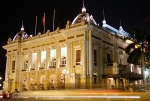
x=44, y=22
x=53, y=20
x=35, y=25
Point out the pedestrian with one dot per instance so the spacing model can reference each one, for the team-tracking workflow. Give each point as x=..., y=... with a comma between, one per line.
x=8, y=95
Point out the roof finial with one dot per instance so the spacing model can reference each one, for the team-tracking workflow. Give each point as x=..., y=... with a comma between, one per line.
x=120, y=28
x=22, y=28
x=83, y=8
x=104, y=22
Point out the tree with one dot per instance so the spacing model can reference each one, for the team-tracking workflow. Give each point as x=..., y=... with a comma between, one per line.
x=139, y=50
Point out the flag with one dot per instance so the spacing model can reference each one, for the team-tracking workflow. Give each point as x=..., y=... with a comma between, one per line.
x=43, y=20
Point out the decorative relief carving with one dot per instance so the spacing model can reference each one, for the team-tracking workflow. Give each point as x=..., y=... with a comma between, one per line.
x=78, y=69
x=57, y=30
x=24, y=73
x=41, y=71
x=83, y=20
x=32, y=72
x=52, y=71
x=47, y=33
x=68, y=24
x=53, y=47
x=77, y=42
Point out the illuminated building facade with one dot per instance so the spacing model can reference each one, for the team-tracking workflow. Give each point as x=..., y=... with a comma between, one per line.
x=82, y=55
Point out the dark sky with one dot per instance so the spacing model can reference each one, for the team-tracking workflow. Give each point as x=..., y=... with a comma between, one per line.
x=130, y=12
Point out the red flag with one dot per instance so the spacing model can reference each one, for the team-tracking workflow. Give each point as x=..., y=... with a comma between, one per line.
x=43, y=20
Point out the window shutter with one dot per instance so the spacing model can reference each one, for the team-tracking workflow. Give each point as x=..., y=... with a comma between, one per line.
x=78, y=55
x=13, y=65
x=95, y=56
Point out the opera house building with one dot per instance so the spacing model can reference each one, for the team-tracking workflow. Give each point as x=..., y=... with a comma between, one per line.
x=82, y=55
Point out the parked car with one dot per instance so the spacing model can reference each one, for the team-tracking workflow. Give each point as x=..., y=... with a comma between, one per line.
x=1, y=94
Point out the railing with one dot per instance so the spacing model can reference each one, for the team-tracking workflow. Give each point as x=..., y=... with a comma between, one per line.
x=23, y=70
x=32, y=68
x=52, y=66
x=41, y=67
x=60, y=86
x=63, y=65
x=13, y=71
x=78, y=63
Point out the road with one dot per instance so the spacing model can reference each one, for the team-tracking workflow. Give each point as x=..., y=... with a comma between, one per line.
x=80, y=95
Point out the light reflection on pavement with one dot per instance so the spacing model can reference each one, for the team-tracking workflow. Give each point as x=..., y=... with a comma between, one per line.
x=80, y=95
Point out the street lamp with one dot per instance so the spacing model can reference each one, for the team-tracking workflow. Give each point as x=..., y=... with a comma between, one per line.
x=0, y=81
x=146, y=73
x=145, y=78
x=64, y=72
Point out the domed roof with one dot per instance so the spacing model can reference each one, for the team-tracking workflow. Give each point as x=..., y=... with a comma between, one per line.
x=22, y=34
x=87, y=17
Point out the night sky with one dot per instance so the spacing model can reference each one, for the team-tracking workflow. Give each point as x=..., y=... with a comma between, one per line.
x=12, y=12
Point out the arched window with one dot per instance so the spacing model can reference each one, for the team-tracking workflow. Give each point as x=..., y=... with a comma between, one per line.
x=54, y=61
x=63, y=60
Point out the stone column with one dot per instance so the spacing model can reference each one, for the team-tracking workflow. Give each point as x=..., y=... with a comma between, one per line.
x=56, y=82
x=17, y=70
x=118, y=60
x=90, y=60
x=113, y=54
x=20, y=73
x=37, y=68
x=6, y=83
x=117, y=82
x=100, y=58
x=30, y=60
x=84, y=61
x=7, y=66
x=69, y=66
x=38, y=59
x=47, y=58
x=10, y=83
x=47, y=67
x=69, y=57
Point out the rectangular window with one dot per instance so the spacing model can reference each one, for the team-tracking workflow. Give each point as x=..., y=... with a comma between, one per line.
x=13, y=66
x=109, y=58
x=78, y=57
x=120, y=61
x=95, y=57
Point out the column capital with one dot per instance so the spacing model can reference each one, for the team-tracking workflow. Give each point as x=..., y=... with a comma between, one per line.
x=30, y=52
x=58, y=46
x=68, y=43
x=48, y=49
x=39, y=50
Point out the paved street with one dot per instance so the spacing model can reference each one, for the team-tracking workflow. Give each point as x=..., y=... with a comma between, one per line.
x=80, y=95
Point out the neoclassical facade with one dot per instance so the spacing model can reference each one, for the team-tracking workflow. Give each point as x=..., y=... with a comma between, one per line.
x=81, y=55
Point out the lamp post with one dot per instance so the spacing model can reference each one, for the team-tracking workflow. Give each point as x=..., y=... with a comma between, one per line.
x=146, y=76
x=0, y=82
x=64, y=72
